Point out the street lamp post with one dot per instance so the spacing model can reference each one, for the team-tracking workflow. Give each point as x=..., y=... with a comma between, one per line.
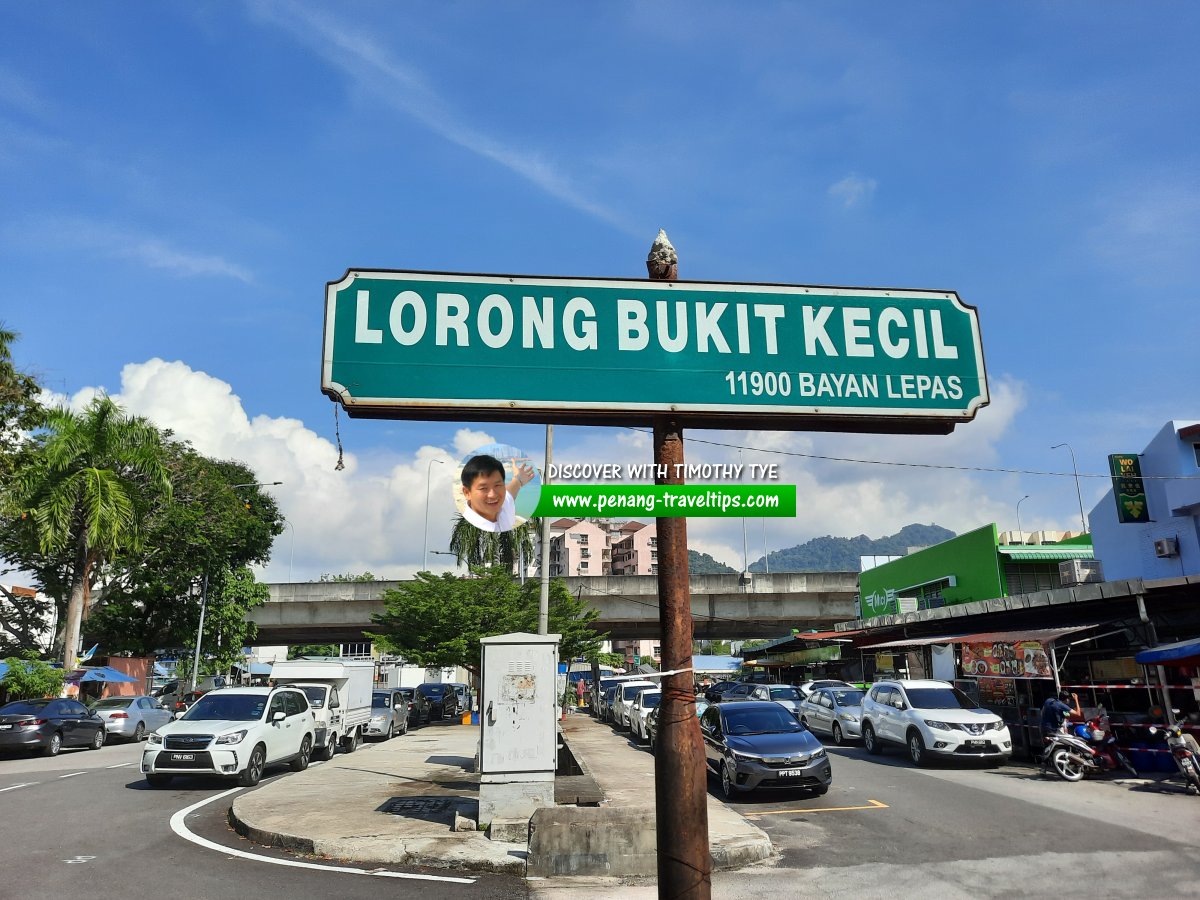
x=1078, y=493
x=428, y=475
x=1020, y=533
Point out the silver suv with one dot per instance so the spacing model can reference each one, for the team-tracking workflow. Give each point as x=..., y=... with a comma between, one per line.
x=932, y=718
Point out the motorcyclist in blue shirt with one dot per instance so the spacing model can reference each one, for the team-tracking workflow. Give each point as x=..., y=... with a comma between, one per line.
x=1056, y=709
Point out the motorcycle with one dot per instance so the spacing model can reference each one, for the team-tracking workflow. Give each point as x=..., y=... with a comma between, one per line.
x=1186, y=753
x=1083, y=750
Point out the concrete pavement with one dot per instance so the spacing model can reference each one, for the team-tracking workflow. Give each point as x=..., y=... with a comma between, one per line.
x=397, y=802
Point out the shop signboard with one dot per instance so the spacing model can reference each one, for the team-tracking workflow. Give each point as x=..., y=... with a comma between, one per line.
x=1007, y=659
x=466, y=347
x=998, y=691
x=1129, y=490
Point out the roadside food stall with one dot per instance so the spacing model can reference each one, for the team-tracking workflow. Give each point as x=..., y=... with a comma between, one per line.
x=1013, y=672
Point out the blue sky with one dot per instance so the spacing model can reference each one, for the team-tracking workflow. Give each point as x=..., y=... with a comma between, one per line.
x=180, y=181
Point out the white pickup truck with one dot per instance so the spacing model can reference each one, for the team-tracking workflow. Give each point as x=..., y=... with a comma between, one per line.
x=339, y=693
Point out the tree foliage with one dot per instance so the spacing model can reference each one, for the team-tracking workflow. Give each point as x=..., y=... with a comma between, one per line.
x=438, y=620
x=29, y=676
x=299, y=650
x=476, y=547
x=20, y=410
x=84, y=493
x=152, y=598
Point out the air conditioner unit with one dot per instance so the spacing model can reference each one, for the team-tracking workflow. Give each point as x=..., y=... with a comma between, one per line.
x=1079, y=571
x=1165, y=548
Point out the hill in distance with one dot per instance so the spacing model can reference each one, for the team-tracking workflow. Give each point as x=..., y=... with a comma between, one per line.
x=839, y=554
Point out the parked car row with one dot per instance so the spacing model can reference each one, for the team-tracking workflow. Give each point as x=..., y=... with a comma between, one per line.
x=761, y=736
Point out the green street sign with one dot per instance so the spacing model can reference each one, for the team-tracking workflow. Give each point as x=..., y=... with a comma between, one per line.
x=423, y=345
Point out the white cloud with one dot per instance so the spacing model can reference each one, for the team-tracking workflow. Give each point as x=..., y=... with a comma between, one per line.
x=853, y=190
x=341, y=522
x=467, y=439
x=110, y=240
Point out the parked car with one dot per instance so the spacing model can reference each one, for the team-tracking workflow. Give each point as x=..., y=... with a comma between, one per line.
x=443, y=701
x=184, y=703
x=48, y=725
x=714, y=691
x=652, y=722
x=170, y=692
x=932, y=718
x=389, y=715
x=607, y=699
x=623, y=701
x=740, y=691
x=464, y=695
x=418, y=707
x=783, y=694
x=646, y=701
x=236, y=733
x=807, y=687
x=598, y=692
x=752, y=745
x=835, y=711
x=131, y=718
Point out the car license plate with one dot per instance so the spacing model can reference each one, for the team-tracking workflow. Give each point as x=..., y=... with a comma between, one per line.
x=183, y=757
x=791, y=772
x=975, y=743
x=5, y=727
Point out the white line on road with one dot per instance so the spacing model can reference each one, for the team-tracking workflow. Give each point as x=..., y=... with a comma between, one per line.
x=13, y=787
x=72, y=774
x=181, y=829
x=119, y=766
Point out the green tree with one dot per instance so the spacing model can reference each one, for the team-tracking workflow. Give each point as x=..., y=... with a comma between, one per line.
x=29, y=676
x=85, y=491
x=298, y=650
x=151, y=597
x=20, y=410
x=477, y=547
x=437, y=620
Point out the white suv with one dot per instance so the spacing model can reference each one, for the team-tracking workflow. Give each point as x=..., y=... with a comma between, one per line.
x=932, y=718
x=235, y=732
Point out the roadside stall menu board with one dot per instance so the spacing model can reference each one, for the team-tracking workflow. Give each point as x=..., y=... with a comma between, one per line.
x=998, y=691
x=1004, y=659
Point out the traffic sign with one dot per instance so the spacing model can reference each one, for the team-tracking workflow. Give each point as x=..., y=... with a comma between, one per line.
x=425, y=345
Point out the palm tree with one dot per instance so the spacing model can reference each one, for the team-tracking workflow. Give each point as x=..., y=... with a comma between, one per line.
x=476, y=547
x=87, y=490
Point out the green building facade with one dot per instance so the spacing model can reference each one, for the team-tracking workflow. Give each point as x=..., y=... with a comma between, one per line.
x=973, y=566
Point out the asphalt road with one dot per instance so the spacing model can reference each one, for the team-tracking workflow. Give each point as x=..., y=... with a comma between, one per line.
x=86, y=825
x=888, y=829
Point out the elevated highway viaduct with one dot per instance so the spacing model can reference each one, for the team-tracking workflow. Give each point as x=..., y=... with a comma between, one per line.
x=723, y=606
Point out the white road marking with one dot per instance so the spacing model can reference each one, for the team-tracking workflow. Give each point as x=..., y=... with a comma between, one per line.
x=180, y=828
x=71, y=774
x=15, y=786
x=119, y=766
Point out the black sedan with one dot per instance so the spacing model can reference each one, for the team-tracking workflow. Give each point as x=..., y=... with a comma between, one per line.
x=443, y=700
x=715, y=692
x=46, y=726
x=753, y=745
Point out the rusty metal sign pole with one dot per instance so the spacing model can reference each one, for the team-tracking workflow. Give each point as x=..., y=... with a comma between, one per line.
x=680, y=774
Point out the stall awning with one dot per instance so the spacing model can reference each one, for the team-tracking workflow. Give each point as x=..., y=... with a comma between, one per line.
x=1047, y=552
x=1168, y=653
x=1045, y=635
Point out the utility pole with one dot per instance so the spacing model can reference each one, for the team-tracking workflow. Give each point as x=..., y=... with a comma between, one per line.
x=680, y=773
